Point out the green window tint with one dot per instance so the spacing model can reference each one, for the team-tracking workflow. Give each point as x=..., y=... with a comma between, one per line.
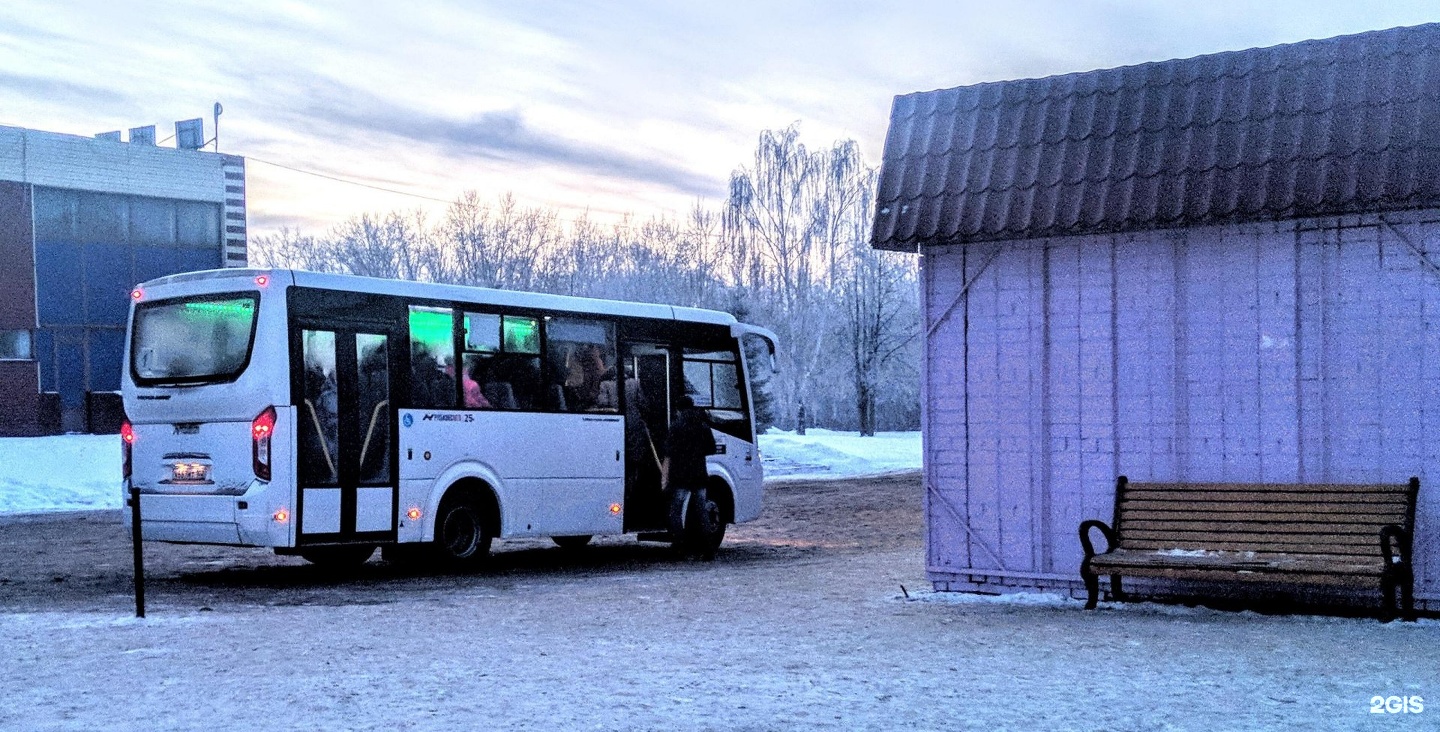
x=219, y=310
x=522, y=335
x=430, y=325
x=432, y=358
x=482, y=333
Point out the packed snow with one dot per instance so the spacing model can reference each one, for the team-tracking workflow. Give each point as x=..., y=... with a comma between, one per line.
x=63, y=473
x=82, y=472
x=821, y=454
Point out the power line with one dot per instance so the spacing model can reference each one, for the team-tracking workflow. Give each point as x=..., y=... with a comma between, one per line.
x=346, y=180
x=551, y=210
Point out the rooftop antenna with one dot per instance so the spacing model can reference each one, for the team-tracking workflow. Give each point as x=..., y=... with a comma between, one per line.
x=218, y=110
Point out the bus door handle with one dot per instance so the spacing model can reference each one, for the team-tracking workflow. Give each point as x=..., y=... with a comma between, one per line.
x=617, y=456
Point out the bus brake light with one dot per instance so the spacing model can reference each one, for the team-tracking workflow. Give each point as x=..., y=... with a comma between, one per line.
x=262, y=431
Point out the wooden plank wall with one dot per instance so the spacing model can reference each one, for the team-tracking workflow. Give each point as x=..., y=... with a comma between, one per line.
x=1290, y=352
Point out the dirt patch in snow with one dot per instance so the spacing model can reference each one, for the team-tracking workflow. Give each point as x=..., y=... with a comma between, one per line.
x=81, y=560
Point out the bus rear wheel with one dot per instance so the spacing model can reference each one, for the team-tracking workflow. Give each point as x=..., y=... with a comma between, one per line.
x=461, y=539
x=338, y=557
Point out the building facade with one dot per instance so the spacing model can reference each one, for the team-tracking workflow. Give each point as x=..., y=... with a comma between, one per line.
x=1216, y=269
x=82, y=220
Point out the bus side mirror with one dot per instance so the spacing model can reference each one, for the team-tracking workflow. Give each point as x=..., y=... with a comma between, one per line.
x=741, y=330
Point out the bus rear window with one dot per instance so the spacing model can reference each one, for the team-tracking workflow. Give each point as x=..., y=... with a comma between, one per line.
x=192, y=340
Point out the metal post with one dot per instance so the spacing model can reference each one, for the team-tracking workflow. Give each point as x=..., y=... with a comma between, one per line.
x=139, y=556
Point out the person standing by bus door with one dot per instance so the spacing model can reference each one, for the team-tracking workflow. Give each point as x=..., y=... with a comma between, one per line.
x=693, y=517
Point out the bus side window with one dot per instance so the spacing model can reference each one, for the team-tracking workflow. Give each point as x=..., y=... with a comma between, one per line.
x=432, y=358
x=502, y=361
x=582, y=361
x=712, y=379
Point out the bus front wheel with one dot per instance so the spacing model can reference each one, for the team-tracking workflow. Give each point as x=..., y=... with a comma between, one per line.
x=461, y=539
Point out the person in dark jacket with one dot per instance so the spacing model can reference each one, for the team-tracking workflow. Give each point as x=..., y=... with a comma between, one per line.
x=694, y=519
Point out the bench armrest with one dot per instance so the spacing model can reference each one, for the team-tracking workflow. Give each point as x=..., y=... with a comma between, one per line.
x=1395, y=545
x=1110, y=539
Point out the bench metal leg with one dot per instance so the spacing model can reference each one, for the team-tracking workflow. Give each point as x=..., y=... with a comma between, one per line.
x=1407, y=596
x=1388, y=602
x=1092, y=587
x=1115, y=591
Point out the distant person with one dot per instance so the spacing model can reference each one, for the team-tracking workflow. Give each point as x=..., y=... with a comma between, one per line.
x=693, y=517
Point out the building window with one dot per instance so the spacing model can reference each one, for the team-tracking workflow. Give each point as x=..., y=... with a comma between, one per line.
x=17, y=345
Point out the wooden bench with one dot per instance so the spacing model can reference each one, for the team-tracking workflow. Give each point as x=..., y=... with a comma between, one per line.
x=1348, y=536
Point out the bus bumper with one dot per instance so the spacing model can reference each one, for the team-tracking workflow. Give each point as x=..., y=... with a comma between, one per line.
x=246, y=520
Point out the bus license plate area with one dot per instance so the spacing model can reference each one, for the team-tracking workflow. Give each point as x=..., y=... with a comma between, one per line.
x=192, y=473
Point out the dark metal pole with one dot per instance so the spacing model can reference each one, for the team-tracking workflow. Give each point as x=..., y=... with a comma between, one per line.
x=139, y=556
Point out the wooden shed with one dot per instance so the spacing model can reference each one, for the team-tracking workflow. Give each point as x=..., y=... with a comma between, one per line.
x=1222, y=268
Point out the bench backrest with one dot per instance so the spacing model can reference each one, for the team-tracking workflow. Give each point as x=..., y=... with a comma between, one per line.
x=1261, y=517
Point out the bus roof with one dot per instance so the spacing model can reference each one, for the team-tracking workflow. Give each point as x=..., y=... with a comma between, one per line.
x=458, y=293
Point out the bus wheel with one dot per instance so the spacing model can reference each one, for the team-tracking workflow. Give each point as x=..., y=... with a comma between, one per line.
x=571, y=543
x=460, y=536
x=711, y=531
x=338, y=556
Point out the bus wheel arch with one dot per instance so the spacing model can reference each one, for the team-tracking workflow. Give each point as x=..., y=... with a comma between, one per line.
x=719, y=491
x=466, y=521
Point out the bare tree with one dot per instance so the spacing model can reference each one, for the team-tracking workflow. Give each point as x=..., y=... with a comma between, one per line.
x=787, y=250
x=790, y=219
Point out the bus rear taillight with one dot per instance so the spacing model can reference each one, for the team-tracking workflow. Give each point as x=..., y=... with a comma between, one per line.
x=262, y=429
x=127, y=442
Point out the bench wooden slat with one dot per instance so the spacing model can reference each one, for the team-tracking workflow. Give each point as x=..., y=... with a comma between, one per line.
x=1278, y=568
x=1338, y=507
x=1133, y=494
x=1400, y=489
x=1269, y=556
x=1197, y=523
x=1242, y=575
x=1250, y=540
x=1308, y=515
x=1240, y=546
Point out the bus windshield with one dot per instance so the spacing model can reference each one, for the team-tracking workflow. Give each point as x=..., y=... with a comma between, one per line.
x=193, y=340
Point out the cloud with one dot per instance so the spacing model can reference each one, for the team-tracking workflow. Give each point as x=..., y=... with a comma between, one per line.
x=59, y=91
x=331, y=107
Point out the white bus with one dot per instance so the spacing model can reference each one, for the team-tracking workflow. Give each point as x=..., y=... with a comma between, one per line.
x=325, y=415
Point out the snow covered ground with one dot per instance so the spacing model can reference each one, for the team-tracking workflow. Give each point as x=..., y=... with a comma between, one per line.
x=64, y=473
x=82, y=472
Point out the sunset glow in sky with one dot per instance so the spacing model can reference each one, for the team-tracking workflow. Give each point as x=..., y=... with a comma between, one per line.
x=609, y=108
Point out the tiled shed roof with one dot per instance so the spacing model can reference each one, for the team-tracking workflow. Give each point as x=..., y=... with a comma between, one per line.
x=1336, y=126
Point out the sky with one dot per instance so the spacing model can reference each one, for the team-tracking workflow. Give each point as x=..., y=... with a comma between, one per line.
x=595, y=109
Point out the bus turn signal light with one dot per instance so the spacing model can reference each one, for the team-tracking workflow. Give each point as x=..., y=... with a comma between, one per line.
x=127, y=442
x=281, y=516
x=615, y=508
x=413, y=514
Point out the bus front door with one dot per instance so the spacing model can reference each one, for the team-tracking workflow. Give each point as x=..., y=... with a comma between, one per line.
x=647, y=425
x=346, y=476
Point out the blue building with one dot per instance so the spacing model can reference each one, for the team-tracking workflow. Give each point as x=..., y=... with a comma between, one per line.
x=81, y=221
